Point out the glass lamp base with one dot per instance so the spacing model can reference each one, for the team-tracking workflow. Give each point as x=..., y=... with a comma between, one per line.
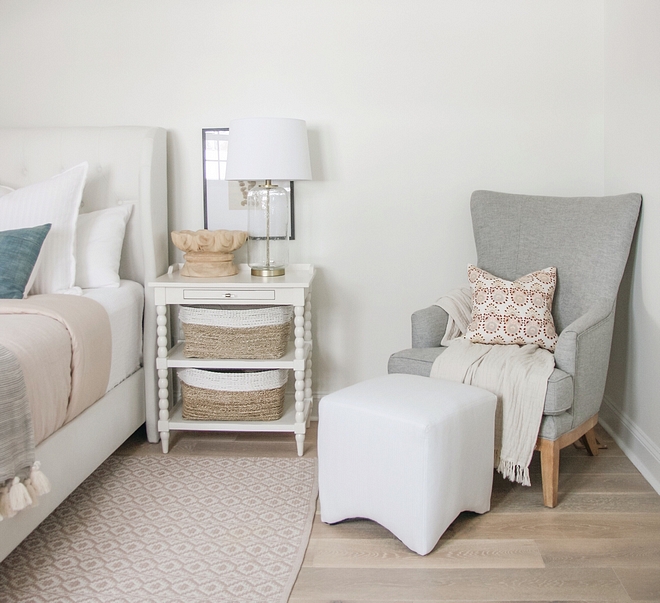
x=267, y=271
x=268, y=219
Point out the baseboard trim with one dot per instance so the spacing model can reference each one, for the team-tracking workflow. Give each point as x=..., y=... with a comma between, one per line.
x=636, y=445
x=315, y=408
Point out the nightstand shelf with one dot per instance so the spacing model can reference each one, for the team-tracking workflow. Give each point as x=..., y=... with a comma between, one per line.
x=176, y=359
x=292, y=289
x=284, y=424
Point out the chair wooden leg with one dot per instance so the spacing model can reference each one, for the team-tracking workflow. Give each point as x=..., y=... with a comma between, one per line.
x=590, y=442
x=549, y=471
x=550, y=456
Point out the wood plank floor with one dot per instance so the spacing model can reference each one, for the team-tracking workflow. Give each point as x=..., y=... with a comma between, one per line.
x=601, y=543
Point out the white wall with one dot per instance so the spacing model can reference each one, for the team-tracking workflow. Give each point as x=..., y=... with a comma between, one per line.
x=410, y=105
x=632, y=163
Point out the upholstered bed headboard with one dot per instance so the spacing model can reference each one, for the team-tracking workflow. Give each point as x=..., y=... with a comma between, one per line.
x=126, y=165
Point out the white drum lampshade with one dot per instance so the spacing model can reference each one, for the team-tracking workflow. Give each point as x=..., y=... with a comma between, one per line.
x=267, y=149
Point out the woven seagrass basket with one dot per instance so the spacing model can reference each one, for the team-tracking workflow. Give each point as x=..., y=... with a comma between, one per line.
x=233, y=395
x=245, y=332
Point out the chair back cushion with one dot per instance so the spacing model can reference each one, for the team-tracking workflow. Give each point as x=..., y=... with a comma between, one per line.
x=586, y=238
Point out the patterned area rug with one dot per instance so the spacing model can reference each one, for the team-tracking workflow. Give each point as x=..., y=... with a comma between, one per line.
x=166, y=529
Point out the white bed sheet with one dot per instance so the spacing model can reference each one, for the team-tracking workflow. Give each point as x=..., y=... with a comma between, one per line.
x=125, y=306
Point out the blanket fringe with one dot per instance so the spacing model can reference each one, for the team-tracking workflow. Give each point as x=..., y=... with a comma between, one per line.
x=32, y=492
x=5, y=507
x=39, y=480
x=19, y=498
x=513, y=472
x=17, y=495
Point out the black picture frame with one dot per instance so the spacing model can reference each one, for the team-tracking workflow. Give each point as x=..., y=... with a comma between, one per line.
x=221, y=197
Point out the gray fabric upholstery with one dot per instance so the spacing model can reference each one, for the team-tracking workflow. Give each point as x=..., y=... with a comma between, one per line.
x=418, y=361
x=559, y=395
x=414, y=361
x=588, y=240
x=554, y=426
x=583, y=350
x=428, y=327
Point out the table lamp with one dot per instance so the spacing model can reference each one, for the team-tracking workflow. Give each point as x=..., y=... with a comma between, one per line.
x=267, y=149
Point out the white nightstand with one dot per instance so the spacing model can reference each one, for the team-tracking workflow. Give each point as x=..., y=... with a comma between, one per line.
x=292, y=289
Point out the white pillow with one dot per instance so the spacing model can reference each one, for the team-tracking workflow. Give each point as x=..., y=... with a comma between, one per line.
x=5, y=190
x=56, y=200
x=99, y=239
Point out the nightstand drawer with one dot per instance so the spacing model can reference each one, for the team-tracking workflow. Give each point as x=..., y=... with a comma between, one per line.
x=228, y=294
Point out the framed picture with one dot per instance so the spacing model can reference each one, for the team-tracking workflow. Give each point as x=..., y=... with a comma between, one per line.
x=225, y=203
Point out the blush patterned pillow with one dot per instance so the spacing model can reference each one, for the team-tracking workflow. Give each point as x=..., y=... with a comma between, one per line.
x=505, y=312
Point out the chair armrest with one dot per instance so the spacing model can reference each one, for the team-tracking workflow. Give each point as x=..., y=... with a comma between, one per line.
x=583, y=351
x=428, y=327
x=578, y=332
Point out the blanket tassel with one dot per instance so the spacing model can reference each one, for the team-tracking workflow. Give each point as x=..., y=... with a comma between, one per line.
x=19, y=498
x=5, y=508
x=39, y=481
x=16, y=495
x=32, y=492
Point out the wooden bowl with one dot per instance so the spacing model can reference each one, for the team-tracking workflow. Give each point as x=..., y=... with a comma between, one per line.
x=209, y=253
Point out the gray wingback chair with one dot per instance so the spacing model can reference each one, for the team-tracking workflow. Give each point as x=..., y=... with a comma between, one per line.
x=588, y=240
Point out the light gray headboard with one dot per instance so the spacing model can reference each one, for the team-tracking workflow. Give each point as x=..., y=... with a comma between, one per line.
x=126, y=165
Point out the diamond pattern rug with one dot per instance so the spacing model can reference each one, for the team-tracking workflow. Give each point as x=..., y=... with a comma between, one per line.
x=166, y=529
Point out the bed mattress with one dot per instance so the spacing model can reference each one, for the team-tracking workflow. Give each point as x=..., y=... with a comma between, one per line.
x=124, y=305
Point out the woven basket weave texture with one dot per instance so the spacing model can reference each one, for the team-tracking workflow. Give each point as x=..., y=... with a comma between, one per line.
x=233, y=396
x=241, y=332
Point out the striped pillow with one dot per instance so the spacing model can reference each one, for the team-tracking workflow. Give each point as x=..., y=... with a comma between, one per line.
x=56, y=201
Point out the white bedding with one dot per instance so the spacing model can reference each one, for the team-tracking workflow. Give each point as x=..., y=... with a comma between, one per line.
x=124, y=305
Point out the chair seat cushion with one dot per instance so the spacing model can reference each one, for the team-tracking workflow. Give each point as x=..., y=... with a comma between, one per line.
x=418, y=361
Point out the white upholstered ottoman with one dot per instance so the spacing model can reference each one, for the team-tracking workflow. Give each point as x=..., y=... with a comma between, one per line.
x=408, y=452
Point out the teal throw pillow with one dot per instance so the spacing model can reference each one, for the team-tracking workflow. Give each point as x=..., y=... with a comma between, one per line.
x=19, y=251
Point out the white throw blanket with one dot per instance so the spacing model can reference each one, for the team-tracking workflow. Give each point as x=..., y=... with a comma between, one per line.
x=518, y=375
